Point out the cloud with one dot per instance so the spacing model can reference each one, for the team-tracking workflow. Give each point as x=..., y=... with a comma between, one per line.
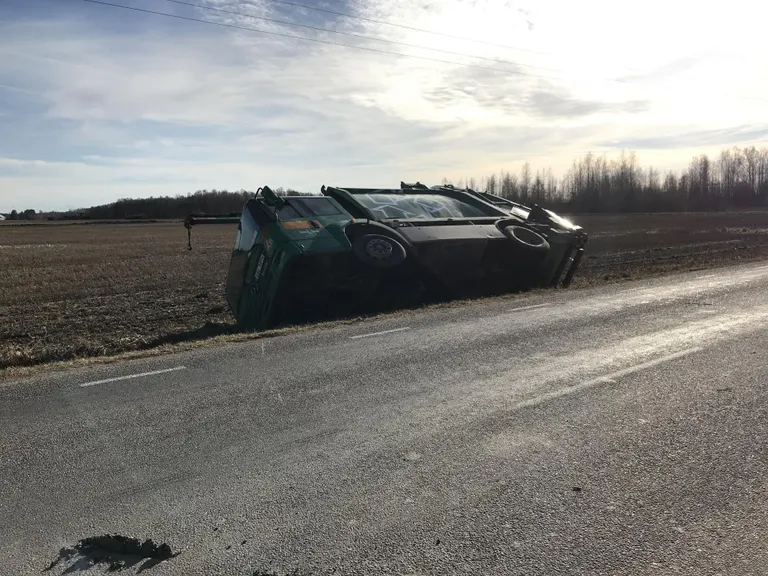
x=696, y=138
x=553, y=104
x=664, y=71
x=523, y=99
x=99, y=103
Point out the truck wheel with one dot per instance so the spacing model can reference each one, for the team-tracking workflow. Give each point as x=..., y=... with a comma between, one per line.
x=378, y=250
x=527, y=239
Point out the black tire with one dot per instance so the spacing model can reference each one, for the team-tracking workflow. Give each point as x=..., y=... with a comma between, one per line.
x=526, y=239
x=378, y=250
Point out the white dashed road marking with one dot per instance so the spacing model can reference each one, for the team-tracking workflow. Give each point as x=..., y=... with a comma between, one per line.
x=131, y=376
x=531, y=307
x=379, y=333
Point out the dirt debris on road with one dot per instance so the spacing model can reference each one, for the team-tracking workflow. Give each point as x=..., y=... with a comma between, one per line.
x=113, y=550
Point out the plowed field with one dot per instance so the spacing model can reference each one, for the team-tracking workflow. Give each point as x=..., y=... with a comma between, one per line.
x=70, y=290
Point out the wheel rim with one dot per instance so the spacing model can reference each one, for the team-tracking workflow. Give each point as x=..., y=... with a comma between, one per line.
x=378, y=249
x=527, y=236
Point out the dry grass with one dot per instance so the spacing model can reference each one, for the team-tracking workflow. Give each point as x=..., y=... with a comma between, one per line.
x=95, y=290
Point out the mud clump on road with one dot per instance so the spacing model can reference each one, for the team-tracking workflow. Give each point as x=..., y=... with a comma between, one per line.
x=114, y=550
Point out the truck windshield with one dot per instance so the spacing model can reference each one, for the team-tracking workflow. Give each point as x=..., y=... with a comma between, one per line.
x=417, y=206
x=307, y=208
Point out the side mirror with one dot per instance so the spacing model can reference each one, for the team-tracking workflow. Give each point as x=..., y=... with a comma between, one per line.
x=271, y=198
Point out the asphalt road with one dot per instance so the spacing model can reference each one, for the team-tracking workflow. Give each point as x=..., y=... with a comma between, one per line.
x=615, y=430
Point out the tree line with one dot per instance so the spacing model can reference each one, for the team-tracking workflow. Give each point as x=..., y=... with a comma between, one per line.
x=28, y=214
x=162, y=207
x=159, y=208
x=736, y=178
x=168, y=207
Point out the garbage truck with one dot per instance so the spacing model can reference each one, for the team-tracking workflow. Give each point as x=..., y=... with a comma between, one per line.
x=349, y=250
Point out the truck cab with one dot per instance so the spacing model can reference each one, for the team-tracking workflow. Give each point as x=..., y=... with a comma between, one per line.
x=274, y=233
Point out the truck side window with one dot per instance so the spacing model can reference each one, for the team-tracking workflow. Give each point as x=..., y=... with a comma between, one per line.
x=315, y=206
x=238, y=236
x=288, y=212
x=249, y=229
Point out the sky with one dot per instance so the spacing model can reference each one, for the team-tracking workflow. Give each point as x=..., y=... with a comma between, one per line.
x=99, y=103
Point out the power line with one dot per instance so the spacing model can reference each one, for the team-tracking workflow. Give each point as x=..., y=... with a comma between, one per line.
x=367, y=49
x=353, y=35
x=445, y=35
x=423, y=30
x=318, y=41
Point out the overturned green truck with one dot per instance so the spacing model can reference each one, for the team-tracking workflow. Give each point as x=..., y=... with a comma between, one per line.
x=357, y=250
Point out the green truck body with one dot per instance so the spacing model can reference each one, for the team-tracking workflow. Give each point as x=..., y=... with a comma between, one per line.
x=358, y=250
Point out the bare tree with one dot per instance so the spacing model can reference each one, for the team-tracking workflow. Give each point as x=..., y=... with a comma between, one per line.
x=751, y=167
x=762, y=174
x=524, y=190
x=596, y=184
x=551, y=185
x=537, y=190
x=491, y=184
